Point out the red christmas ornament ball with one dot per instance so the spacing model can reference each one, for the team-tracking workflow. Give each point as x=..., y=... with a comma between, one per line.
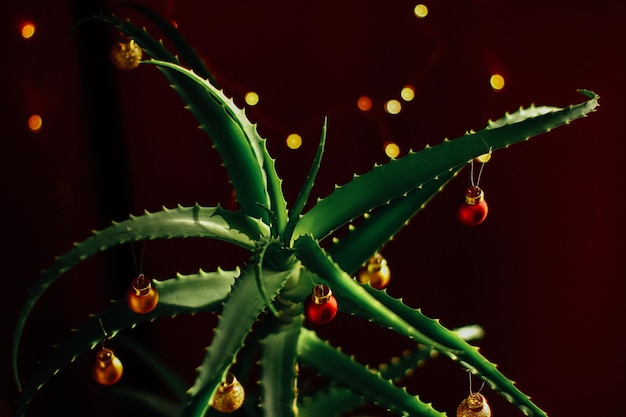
x=321, y=307
x=473, y=210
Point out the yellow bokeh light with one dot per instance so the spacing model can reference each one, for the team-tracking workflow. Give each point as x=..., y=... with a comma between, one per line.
x=392, y=150
x=294, y=141
x=28, y=30
x=364, y=103
x=497, y=82
x=252, y=98
x=393, y=106
x=407, y=93
x=421, y=11
x=35, y=123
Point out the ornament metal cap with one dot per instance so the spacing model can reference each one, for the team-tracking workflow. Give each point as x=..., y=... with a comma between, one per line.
x=376, y=263
x=321, y=294
x=474, y=195
x=475, y=405
x=228, y=383
x=475, y=402
x=104, y=357
x=141, y=285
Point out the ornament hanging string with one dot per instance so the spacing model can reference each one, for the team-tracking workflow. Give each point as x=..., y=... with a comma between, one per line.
x=104, y=332
x=480, y=171
x=470, y=384
x=138, y=265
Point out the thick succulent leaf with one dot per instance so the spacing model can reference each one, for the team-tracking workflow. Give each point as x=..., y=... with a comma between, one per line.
x=458, y=350
x=351, y=296
x=180, y=222
x=379, y=226
x=303, y=195
x=344, y=370
x=241, y=310
x=185, y=51
x=332, y=401
x=399, y=176
x=276, y=203
x=278, y=369
x=184, y=294
x=241, y=156
x=378, y=307
x=341, y=400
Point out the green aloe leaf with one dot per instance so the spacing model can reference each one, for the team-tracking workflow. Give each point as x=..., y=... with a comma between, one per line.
x=379, y=226
x=303, y=195
x=185, y=51
x=276, y=202
x=180, y=222
x=352, y=297
x=184, y=294
x=376, y=306
x=241, y=310
x=278, y=369
x=457, y=349
x=399, y=176
x=344, y=370
x=340, y=400
x=241, y=156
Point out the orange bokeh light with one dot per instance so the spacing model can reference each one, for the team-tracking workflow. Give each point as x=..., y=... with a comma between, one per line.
x=27, y=30
x=364, y=103
x=35, y=123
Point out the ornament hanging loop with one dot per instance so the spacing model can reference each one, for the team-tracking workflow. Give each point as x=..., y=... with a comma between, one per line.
x=475, y=405
x=321, y=294
x=470, y=384
x=482, y=159
x=473, y=210
x=104, y=332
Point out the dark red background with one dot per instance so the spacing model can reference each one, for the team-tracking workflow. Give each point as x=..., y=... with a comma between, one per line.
x=542, y=274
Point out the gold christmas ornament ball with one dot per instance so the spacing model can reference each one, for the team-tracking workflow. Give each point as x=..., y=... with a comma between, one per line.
x=142, y=297
x=475, y=405
x=229, y=396
x=375, y=271
x=126, y=55
x=108, y=368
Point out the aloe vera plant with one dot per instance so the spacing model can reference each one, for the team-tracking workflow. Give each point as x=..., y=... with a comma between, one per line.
x=260, y=305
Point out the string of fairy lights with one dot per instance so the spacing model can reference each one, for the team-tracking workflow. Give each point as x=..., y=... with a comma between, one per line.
x=294, y=140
